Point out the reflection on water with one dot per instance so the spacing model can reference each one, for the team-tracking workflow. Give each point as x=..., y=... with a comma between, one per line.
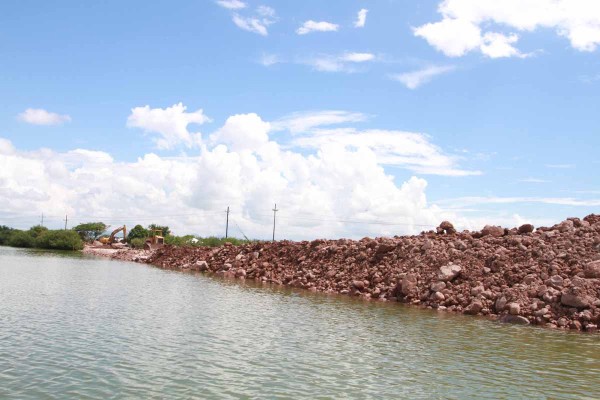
x=92, y=328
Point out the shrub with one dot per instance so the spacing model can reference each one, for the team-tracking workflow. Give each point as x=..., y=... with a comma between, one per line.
x=179, y=240
x=5, y=233
x=37, y=230
x=137, y=243
x=59, y=240
x=21, y=239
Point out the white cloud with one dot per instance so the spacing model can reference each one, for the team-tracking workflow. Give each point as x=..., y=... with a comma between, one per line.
x=301, y=122
x=39, y=116
x=269, y=59
x=409, y=150
x=341, y=178
x=560, y=166
x=562, y=201
x=231, y=4
x=459, y=31
x=257, y=23
x=361, y=18
x=534, y=180
x=357, y=57
x=337, y=63
x=169, y=123
x=314, y=26
x=252, y=24
x=454, y=37
x=497, y=45
x=589, y=78
x=414, y=79
x=243, y=132
x=265, y=11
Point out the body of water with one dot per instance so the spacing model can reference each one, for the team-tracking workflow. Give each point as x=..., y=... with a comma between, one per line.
x=84, y=328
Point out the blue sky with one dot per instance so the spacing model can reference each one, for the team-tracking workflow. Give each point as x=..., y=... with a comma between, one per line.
x=510, y=105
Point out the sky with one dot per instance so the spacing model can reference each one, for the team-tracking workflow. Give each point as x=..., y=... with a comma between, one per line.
x=357, y=118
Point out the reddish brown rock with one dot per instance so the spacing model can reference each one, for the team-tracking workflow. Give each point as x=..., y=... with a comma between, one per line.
x=592, y=269
x=539, y=277
x=495, y=231
x=449, y=272
x=525, y=228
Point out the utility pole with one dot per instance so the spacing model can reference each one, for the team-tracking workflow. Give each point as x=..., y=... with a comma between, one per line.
x=42, y=223
x=227, y=223
x=66, y=220
x=274, y=212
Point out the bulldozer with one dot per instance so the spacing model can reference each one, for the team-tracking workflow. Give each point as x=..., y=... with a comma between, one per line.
x=155, y=241
x=111, y=239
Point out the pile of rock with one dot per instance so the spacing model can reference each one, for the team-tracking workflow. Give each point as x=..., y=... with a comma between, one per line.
x=549, y=276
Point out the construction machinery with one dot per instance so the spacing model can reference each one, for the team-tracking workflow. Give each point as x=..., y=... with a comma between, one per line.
x=111, y=239
x=155, y=240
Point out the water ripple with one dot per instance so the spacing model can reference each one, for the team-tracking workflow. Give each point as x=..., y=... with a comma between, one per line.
x=94, y=329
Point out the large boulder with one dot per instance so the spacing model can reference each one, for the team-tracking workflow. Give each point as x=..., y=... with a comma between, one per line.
x=514, y=319
x=446, y=227
x=449, y=272
x=495, y=231
x=565, y=226
x=592, y=269
x=572, y=299
x=525, y=228
x=474, y=308
x=201, y=266
x=409, y=284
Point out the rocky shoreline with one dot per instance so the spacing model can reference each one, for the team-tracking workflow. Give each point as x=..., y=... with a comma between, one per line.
x=548, y=276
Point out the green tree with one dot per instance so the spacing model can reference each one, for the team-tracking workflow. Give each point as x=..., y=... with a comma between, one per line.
x=138, y=232
x=5, y=233
x=90, y=231
x=37, y=230
x=165, y=229
x=59, y=240
x=21, y=239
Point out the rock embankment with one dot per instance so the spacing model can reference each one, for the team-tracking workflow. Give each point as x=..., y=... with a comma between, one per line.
x=549, y=276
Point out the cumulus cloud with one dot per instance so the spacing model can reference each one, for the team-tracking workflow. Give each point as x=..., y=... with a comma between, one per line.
x=231, y=4
x=39, y=116
x=316, y=26
x=171, y=124
x=243, y=132
x=413, y=151
x=321, y=179
x=462, y=23
x=361, y=18
x=414, y=79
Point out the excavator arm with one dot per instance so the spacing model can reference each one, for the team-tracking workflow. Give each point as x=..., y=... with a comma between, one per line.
x=111, y=239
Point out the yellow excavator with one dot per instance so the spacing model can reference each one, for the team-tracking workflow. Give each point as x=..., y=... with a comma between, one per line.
x=111, y=239
x=155, y=240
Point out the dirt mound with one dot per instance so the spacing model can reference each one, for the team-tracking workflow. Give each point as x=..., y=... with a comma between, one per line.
x=549, y=276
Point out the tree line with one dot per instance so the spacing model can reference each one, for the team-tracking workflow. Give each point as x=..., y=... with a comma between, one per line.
x=41, y=237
